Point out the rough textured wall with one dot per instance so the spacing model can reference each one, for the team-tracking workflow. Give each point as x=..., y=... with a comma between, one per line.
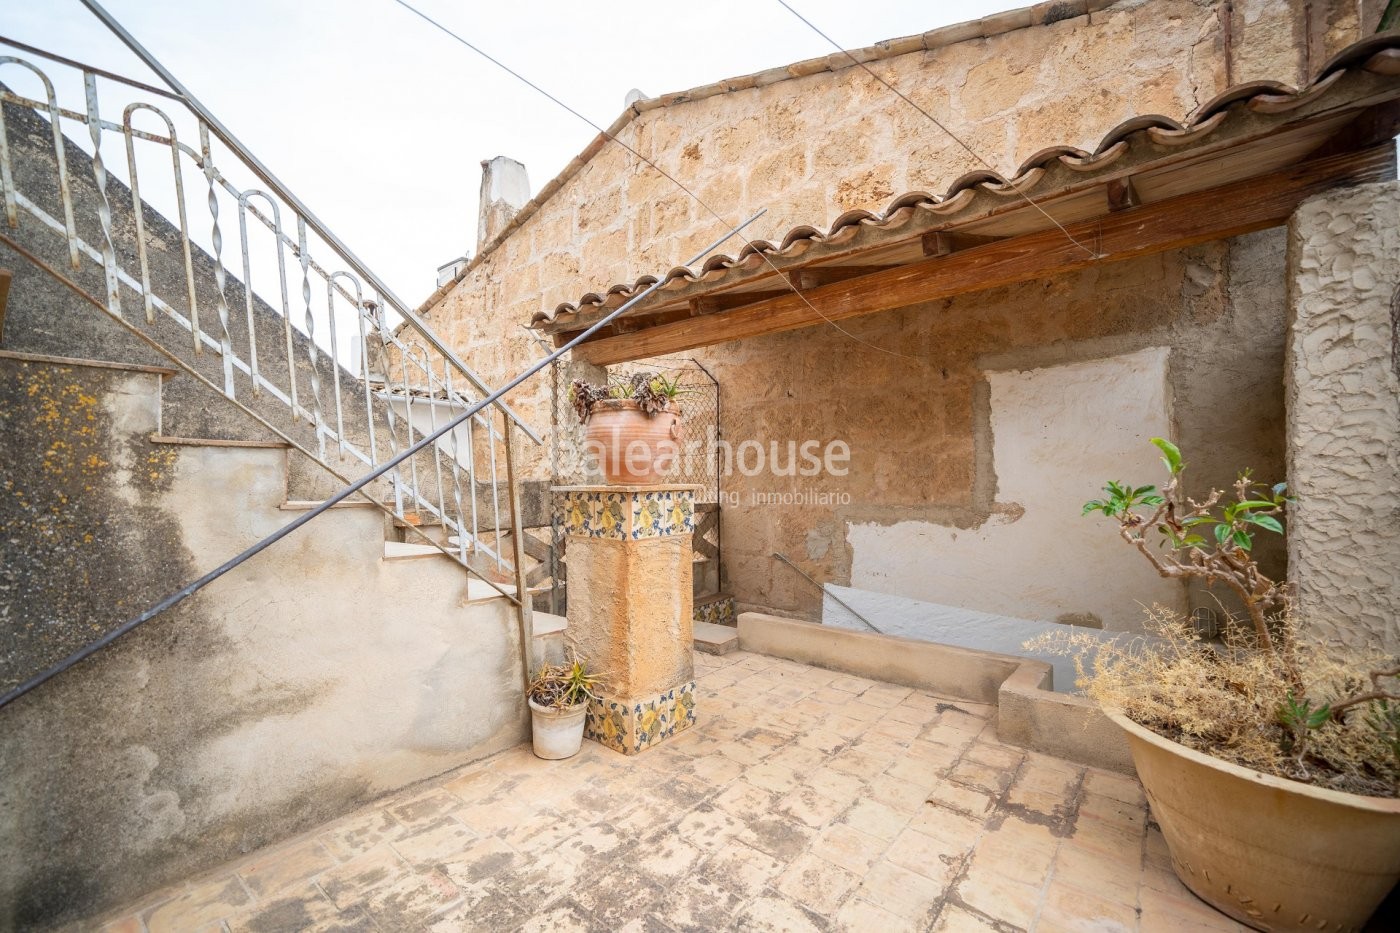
x=1050, y=430
x=307, y=682
x=1344, y=415
x=812, y=147
x=923, y=438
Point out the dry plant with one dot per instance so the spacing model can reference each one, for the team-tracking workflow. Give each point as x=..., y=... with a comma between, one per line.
x=1235, y=702
x=1262, y=697
x=653, y=392
x=562, y=686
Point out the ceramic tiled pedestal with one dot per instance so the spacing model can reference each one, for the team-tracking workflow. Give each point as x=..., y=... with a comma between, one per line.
x=630, y=607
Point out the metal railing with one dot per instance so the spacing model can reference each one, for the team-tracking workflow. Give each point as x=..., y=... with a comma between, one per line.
x=404, y=377
x=288, y=319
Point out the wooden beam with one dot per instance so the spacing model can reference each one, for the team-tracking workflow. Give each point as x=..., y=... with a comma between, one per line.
x=1213, y=214
x=1122, y=195
x=817, y=276
x=1373, y=126
x=944, y=243
x=711, y=304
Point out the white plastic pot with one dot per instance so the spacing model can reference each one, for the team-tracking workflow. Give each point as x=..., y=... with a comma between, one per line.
x=557, y=733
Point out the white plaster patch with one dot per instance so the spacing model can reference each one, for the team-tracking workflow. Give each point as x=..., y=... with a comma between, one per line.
x=133, y=407
x=1058, y=434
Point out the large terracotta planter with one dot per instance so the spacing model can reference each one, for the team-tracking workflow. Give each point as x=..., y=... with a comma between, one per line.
x=632, y=446
x=1272, y=853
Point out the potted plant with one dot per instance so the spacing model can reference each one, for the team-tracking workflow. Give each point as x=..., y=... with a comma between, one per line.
x=1271, y=765
x=632, y=426
x=559, y=695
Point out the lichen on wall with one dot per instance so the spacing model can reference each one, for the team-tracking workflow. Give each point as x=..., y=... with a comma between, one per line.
x=1344, y=416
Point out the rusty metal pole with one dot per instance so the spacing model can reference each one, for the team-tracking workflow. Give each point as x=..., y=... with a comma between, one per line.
x=523, y=604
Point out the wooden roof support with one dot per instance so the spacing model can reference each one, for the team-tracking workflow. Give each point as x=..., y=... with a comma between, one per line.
x=943, y=243
x=1122, y=195
x=1212, y=214
x=712, y=304
x=817, y=276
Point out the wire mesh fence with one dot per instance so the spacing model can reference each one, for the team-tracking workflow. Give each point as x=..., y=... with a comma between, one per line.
x=699, y=462
x=699, y=465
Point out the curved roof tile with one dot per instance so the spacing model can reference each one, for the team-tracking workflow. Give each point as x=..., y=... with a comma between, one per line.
x=1379, y=54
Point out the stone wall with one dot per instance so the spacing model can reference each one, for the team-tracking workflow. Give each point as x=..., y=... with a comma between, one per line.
x=963, y=490
x=815, y=139
x=1344, y=415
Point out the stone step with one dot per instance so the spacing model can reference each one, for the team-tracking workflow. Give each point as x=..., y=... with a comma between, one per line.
x=718, y=609
x=715, y=639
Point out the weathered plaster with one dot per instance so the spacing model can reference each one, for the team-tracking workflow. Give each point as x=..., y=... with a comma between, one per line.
x=920, y=425
x=1344, y=416
x=307, y=682
x=1053, y=430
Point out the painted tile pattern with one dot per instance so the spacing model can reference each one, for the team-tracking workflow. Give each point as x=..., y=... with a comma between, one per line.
x=629, y=516
x=716, y=611
x=632, y=726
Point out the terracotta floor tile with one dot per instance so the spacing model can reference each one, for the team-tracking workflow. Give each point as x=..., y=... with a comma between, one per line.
x=817, y=884
x=277, y=869
x=198, y=907
x=803, y=799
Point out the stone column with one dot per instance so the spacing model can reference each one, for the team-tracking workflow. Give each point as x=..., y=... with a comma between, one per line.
x=630, y=605
x=1343, y=406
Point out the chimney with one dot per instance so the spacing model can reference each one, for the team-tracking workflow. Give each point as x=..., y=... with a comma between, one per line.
x=504, y=190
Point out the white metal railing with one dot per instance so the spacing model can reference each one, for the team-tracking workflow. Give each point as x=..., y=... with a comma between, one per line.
x=350, y=363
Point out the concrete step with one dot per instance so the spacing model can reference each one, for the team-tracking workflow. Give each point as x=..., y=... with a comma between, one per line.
x=715, y=639
x=549, y=638
x=217, y=442
x=399, y=550
x=306, y=505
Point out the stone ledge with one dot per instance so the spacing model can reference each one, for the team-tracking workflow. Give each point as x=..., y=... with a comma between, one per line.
x=1029, y=714
x=23, y=357
x=715, y=639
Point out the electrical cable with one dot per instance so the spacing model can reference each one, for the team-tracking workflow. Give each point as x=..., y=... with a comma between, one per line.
x=669, y=177
x=936, y=122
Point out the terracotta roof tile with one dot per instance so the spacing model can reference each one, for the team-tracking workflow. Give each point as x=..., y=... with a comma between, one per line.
x=1378, y=55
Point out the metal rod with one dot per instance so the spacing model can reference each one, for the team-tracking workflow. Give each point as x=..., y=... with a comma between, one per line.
x=524, y=605
x=826, y=592
x=263, y=172
x=195, y=586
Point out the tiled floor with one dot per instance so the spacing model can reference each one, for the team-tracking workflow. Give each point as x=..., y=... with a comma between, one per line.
x=803, y=800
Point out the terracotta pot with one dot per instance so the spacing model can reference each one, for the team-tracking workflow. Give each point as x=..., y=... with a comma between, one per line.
x=633, y=447
x=1272, y=853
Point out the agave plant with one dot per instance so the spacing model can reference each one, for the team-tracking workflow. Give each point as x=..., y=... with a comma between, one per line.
x=564, y=685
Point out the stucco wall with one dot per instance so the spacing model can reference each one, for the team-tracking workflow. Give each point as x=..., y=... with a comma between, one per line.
x=1344, y=415
x=307, y=682
x=943, y=479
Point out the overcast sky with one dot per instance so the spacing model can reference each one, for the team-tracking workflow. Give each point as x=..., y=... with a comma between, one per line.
x=379, y=122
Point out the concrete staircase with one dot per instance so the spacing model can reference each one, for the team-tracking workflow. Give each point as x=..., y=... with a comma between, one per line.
x=335, y=667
